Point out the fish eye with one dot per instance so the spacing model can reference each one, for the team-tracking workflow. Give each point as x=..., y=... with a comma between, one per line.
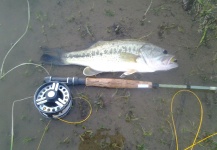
x=165, y=51
x=175, y=60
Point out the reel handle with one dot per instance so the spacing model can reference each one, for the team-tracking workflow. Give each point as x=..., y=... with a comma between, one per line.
x=101, y=82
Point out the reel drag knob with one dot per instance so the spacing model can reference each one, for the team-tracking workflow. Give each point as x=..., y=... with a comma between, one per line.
x=53, y=100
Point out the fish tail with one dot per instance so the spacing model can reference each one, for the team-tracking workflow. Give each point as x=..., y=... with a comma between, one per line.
x=52, y=56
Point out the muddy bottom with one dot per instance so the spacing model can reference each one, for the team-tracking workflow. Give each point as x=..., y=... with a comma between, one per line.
x=128, y=119
x=101, y=140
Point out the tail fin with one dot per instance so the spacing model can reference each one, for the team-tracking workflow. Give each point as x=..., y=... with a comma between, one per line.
x=52, y=56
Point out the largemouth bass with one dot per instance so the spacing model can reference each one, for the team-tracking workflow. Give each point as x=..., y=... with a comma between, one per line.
x=128, y=56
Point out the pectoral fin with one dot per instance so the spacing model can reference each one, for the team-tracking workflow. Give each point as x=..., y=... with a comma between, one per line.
x=90, y=72
x=129, y=72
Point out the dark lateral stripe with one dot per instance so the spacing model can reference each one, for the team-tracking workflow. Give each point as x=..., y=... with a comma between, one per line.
x=99, y=52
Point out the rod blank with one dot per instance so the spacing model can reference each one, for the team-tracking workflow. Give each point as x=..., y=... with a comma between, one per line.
x=212, y=88
x=121, y=83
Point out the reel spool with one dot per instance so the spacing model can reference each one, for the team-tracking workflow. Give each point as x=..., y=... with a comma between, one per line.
x=53, y=100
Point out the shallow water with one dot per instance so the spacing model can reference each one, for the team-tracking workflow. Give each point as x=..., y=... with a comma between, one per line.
x=64, y=24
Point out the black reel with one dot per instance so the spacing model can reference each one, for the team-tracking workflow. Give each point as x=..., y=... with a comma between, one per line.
x=53, y=100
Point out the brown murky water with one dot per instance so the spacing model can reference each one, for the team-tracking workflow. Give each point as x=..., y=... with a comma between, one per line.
x=141, y=117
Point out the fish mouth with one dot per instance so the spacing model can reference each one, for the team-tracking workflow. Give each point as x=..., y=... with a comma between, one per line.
x=169, y=60
x=172, y=60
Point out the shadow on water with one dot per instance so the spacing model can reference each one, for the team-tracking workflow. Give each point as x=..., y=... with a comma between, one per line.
x=75, y=25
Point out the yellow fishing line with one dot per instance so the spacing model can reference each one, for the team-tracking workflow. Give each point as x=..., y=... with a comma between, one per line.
x=78, y=122
x=199, y=127
x=201, y=140
x=201, y=116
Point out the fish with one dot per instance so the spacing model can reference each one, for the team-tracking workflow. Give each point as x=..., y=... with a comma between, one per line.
x=128, y=56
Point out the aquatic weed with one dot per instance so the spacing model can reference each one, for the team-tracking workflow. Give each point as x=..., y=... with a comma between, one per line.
x=65, y=141
x=109, y=13
x=28, y=139
x=71, y=18
x=140, y=147
x=206, y=14
x=41, y=16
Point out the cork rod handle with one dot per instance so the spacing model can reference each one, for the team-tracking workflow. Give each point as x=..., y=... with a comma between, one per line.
x=117, y=83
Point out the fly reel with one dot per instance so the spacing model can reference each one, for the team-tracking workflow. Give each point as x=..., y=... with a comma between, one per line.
x=53, y=100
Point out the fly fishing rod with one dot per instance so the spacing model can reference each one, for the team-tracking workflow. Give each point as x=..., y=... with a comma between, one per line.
x=53, y=99
x=121, y=83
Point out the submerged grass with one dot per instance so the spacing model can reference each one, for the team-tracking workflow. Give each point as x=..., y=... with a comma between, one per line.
x=206, y=14
x=12, y=120
x=2, y=74
x=23, y=64
x=109, y=13
x=42, y=137
x=27, y=27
